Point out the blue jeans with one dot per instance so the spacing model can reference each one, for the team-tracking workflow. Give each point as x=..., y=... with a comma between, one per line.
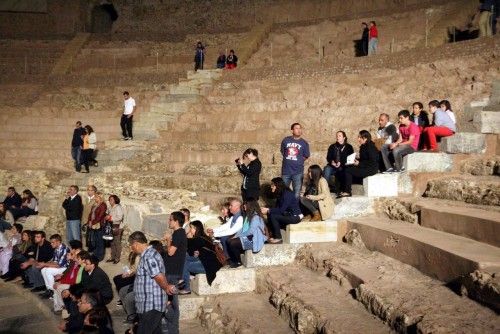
x=192, y=265
x=76, y=154
x=330, y=171
x=296, y=181
x=73, y=231
x=98, y=243
x=372, y=46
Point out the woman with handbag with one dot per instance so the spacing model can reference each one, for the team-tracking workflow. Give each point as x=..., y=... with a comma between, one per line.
x=251, y=236
x=201, y=256
x=95, y=224
x=115, y=218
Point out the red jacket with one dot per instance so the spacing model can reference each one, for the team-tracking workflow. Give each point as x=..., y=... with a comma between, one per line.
x=100, y=214
x=71, y=274
x=373, y=32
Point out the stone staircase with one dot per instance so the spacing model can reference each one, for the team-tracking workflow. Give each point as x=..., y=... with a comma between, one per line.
x=71, y=51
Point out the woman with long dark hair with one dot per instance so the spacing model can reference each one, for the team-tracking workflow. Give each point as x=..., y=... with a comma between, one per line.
x=28, y=207
x=287, y=210
x=366, y=165
x=201, y=258
x=251, y=236
x=317, y=200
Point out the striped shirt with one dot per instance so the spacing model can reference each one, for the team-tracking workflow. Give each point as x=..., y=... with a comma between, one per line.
x=148, y=294
x=60, y=256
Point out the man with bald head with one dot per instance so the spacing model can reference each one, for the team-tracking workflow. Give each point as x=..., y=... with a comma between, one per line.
x=225, y=231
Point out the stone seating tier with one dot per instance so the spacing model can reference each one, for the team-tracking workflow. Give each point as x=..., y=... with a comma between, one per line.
x=237, y=280
x=438, y=254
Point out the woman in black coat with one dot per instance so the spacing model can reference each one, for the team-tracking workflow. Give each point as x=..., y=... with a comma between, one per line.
x=250, y=167
x=366, y=165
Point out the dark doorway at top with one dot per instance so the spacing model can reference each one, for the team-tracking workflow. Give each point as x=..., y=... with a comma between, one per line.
x=103, y=17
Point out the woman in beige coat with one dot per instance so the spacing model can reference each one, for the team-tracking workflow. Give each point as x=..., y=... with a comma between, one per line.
x=317, y=200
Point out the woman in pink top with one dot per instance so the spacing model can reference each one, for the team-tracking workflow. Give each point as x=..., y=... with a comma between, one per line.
x=373, y=41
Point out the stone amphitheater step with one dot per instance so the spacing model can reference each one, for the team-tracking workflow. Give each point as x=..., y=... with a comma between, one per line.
x=229, y=314
x=40, y=144
x=64, y=138
x=34, y=162
x=313, y=304
x=428, y=162
x=235, y=280
x=488, y=121
x=191, y=182
x=482, y=225
x=464, y=142
x=310, y=232
x=21, y=312
x=483, y=190
x=401, y=296
x=441, y=255
x=271, y=255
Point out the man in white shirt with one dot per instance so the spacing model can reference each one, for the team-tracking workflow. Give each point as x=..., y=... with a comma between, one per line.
x=225, y=231
x=128, y=115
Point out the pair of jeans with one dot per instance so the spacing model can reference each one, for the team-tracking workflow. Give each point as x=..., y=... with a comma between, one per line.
x=279, y=222
x=309, y=205
x=330, y=171
x=35, y=276
x=127, y=296
x=296, y=181
x=172, y=314
x=372, y=46
x=76, y=152
x=73, y=230
x=116, y=245
x=126, y=125
x=192, y=265
x=398, y=153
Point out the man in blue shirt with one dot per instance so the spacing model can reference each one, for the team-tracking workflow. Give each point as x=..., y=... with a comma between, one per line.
x=150, y=286
x=295, y=151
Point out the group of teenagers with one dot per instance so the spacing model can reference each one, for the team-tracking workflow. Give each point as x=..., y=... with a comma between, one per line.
x=384, y=153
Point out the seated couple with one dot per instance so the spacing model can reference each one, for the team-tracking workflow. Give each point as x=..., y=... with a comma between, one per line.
x=316, y=203
x=244, y=230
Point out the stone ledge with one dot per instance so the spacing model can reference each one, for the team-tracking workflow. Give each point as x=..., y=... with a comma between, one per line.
x=352, y=206
x=381, y=185
x=306, y=232
x=34, y=223
x=271, y=255
x=190, y=305
x=428, y=162
x=464, y=142
x=227, y=281
x=487, y=121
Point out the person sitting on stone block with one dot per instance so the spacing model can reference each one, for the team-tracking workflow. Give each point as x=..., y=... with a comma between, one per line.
x=446, y=106
x=7, y=251
x=443, y=126
x=336, y=158
x=71, y=276
x=365, y=165
x=40, y=252
x=286, y=212
x=176, y=248
x=201, y=257
x=406, y=144
x=29, y=206
x=251, y=237
x=231, y=61
x=225, y=231
x=12, y=199
x=317, y=200
x=221, y=60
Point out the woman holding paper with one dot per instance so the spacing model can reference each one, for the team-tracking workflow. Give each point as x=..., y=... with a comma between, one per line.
x=366, y=165
x=336, y=160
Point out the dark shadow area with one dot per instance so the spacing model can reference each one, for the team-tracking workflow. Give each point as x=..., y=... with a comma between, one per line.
x=103, y=17
x=457, y=35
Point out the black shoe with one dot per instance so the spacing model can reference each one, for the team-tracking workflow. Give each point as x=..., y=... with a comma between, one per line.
x=27, y=285
x=47, y=294
x=5, y=276
x=235, y=265
x=10, y=278
x=38, y=289
x=110, y=260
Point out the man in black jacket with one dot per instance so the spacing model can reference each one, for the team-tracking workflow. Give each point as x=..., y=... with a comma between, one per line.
x=42, y=251
x=94, y=278
x=76, y=145
x=250, y=167
x=12, y=199
x=73, y=207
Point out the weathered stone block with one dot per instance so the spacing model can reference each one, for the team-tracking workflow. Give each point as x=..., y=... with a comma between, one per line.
x=35, y=222
x=428, y=162
x=227, y=281
x=464, y=142
x=381, y=185
x=190, y=305
x=487, y=121
x=305, y=232
x=352, y=206
x=155, y=224
x=271, y=255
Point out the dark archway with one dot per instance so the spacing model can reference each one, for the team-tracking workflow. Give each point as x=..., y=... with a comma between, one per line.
x=103, y=17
